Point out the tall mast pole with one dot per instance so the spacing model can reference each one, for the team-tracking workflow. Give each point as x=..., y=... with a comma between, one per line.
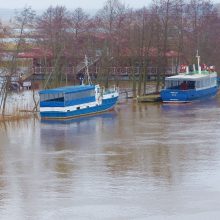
x=198, y=62
x=87, y=70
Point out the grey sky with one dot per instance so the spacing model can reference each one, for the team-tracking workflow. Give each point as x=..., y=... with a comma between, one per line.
x=70, y=4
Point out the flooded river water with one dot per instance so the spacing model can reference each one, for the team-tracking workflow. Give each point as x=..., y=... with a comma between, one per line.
x=141, y=161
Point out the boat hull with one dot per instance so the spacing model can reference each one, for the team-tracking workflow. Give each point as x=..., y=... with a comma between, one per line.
x=179, y=96
x=106, y=105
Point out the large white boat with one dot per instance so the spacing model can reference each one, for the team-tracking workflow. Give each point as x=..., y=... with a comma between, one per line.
x=190, y=85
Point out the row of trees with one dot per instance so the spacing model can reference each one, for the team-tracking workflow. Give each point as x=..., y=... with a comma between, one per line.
x=125, y=36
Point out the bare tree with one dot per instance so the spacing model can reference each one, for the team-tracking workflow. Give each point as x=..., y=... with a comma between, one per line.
x=110, y=20
x=79, y=36
x=23, y=20
x=110, y=17
x=79, y=21
x=53, y=27
x=201, y=18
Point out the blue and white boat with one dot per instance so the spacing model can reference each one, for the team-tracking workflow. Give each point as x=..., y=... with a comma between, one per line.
x=76, y=101
x=189, y=86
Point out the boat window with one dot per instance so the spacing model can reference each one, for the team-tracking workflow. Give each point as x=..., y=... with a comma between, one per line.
x=198, y=84
x=191, y=84
x=180, y=84
x=79, y=95
x=172, y=84
x=214, y=81
x=202, y=83
x=205, y=82
x=184, y=85
x=52, y=97
x=169, y=84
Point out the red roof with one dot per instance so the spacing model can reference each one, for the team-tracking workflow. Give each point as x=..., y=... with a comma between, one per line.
x=35, y=53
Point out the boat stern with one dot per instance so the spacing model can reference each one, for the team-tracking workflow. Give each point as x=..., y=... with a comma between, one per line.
x=174, y=96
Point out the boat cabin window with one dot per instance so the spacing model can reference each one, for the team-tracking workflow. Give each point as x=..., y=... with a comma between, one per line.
x=213, y=81
x=206, y=82
x=58, y=97
x=79, y=95
x=198, y=84
x=191, y=84
x=179, y=84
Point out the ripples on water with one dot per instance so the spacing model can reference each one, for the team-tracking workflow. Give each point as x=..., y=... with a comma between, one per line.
x=142, y=161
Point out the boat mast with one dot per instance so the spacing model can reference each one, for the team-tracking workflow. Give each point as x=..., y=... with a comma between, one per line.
x=198, y=62
x=87, y=71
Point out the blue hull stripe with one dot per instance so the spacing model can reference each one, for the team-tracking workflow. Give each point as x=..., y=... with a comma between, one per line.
x=172, y=95
x=106, y=105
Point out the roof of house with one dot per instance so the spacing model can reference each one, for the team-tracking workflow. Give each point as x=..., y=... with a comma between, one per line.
x=35, y=53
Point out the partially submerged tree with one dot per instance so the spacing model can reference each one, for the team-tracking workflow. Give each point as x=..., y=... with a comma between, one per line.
x=23, y=20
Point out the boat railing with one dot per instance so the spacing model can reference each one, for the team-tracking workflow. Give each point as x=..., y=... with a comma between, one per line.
x=197, y=72
x=110, y=90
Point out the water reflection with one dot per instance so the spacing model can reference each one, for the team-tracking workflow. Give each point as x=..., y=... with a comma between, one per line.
x=68, y=143
x=76, y=132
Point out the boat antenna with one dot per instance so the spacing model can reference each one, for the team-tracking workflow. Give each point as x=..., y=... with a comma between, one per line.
x=198, y=61
x=87, y=71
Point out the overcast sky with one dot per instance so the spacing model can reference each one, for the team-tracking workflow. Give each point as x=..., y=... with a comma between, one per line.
x=70, y=4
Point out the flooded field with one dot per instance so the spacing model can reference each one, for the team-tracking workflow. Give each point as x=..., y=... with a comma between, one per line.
x=141, y=161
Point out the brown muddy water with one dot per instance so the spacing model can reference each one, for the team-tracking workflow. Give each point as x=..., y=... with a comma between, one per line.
x=141, y=161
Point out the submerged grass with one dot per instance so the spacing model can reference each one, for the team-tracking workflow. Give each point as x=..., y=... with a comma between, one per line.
x=17, y=115
x=19, y=107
